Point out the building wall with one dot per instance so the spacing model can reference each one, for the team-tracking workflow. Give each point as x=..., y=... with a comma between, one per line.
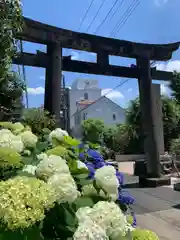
x=77, y=95
x=84, y=83
x=103, y=109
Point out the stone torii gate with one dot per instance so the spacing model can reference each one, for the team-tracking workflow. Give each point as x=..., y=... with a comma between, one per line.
x=56, y=38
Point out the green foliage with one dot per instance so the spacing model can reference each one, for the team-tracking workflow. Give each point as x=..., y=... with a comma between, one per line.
x=70, y=142
x=130, y=219
x=59, y=151
x=118, y=139
x=11, y=91
x=11, y=23
x=61, y=222
x=109, y=137
x=144, y=234
x=10, y=162
x=171, y=118
x=175, y=86
x=27, y=234
x=93, y=130
x=38, y=119
x=175, y=146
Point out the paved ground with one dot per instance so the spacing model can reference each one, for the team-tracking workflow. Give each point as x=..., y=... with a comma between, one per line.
x=157, y=208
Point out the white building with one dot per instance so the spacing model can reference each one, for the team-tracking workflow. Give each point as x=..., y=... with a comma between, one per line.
x=86, y=102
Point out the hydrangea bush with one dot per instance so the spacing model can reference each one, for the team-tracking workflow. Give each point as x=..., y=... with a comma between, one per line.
x=61, y=189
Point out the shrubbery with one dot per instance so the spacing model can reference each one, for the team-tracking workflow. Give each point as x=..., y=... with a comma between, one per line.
x=38, y=120
x=63, y=190
x=68, y=191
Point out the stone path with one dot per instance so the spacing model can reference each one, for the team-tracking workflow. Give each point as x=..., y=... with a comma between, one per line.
x=156, y=208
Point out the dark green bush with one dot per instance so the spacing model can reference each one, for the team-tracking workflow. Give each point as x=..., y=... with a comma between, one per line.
x=38, y=119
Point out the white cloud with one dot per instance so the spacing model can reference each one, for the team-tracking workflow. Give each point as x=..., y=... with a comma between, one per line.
x=74, y=55
x=112, y=94
x=129, y=90
x=159, y=3
x=170, y=66
x=35, y=91
x=42, y=77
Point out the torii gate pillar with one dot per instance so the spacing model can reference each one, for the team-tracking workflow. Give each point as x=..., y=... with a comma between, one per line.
x=151, y=145
x=53, y=80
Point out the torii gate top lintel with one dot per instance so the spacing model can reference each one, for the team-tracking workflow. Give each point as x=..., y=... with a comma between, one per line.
x=42, y=33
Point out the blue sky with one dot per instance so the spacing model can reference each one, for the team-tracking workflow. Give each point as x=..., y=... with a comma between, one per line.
x=153, y=21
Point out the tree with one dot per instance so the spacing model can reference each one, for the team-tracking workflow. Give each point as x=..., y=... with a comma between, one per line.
x=171, y=119
x=38, y=119
x=175, y=86
x=10, y=24
x=11, y=93
x=93, y=130
x=11, y=86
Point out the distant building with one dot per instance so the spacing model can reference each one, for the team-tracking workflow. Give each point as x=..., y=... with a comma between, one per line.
x=86, y=102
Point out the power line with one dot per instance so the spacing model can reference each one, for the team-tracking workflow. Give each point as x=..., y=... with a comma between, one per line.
x=120, y=4
x=125, y=17
x=128, y=16
x=123, y=81
x=86, y=14
x=102, y=4
x=106, y=17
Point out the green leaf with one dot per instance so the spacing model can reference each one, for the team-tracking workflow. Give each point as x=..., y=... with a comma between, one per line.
x=69, y=216
x=28, y=160
x=28, y=234
x=83, y=202
x=42, y=146
x=82, y=181
x=98, y=189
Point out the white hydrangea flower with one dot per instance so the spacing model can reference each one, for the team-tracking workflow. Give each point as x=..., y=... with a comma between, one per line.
x=81, y=164
x=89, y=190
x=106, y=179
x=65, y=187
x=17, y=128
x=42, y=156
x=29, y=169
x=83, y=214
x=5, y=131
x=51, y=165
x=17, y=143
x=26, y=152
x=29, y=139
x=109, y=216
x=8, y=139
x=90, y=231
x=57, y=135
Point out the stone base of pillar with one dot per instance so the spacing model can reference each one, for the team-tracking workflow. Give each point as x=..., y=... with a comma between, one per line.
x=177, y=187
x=154, y=182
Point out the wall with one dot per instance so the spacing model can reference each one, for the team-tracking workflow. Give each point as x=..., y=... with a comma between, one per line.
x=76, y=95
x=102, y=109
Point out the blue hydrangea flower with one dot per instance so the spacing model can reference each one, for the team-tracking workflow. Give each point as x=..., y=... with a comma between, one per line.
x=91, y=169
x=81, y=156
x=81, y=145
x=120, y=177
x=95, y=155
x=134, y=224
x=125, y=198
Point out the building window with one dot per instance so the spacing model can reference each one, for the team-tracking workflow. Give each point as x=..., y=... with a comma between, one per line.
x=85, y=96
x=114, y=117
x=84, y=116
